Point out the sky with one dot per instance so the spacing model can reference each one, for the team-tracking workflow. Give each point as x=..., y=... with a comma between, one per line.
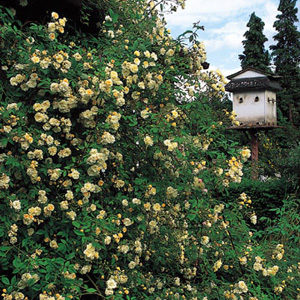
x=225, y=22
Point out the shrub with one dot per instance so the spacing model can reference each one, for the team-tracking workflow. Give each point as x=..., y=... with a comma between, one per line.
x=265, y=195
x=110, y=161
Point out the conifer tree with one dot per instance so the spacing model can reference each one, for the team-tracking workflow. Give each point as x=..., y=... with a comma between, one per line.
x=254, y=54
x=286, y=56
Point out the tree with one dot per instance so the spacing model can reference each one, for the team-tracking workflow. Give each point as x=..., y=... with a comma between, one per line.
x=254, y=54
x=286, y=56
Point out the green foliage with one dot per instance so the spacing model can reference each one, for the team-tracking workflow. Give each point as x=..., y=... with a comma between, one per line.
x=265, y=195
x=290, y=166
x=254, y=54
x=279, y=155
x=285, y=225
x=286, y=53
x=111, y=166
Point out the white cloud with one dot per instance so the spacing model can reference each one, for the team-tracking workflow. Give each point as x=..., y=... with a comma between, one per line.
x=225, y=24
x=224, y=21
x=230, y=35
x=225, y=70
x=211, y=11
x=228, y=41
x=269, y=16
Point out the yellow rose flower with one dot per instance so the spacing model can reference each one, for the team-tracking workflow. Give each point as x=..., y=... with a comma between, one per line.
x=134, y=68
x=54, y=15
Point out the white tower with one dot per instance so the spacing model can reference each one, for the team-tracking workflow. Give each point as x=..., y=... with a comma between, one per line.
x=254, y=97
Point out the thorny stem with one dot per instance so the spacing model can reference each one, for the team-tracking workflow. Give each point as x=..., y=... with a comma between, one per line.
x=233, y=246
x=95, y=285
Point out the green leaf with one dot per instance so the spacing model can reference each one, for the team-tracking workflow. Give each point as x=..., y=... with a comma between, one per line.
x=62, y=247
x=142, y=227
x=70, y=256
x=31, y=282
x=5, y=280
x=36, y=287
x=78, y=232
x=9, y=12
x=60, y=260
x=5, y=248
x=13, y=280
x=191, y=216
x=91, y=290
x=40, y=232
x=113, y=15
x=17, y=262
x=76, y=224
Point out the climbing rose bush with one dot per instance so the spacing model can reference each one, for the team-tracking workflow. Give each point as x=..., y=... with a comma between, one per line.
x=112, y=162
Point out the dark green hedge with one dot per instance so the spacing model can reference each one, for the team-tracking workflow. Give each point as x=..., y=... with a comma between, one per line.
x=265, y=195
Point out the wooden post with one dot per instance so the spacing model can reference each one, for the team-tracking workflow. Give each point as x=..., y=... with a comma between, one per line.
x=254, y=153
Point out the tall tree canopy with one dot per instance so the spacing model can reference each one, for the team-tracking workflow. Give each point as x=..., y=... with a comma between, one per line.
x=254, y=54
x=286, y=56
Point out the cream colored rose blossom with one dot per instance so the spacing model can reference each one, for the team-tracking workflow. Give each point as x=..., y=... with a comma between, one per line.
x=16, y=205
x=108, y=138
x=4, y=181
x=127, y=222
x=136, y=201
x=111, y=283
x=217, y=265
x=204, y=240
x=107, y=240
x=90, y=252
x=54, y=15
x=156, y=207
x=148, y=140
x=241, y=287
x=253, y=219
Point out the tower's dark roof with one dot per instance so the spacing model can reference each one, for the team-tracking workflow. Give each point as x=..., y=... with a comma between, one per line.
x=262, y=81
x=252, y=83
